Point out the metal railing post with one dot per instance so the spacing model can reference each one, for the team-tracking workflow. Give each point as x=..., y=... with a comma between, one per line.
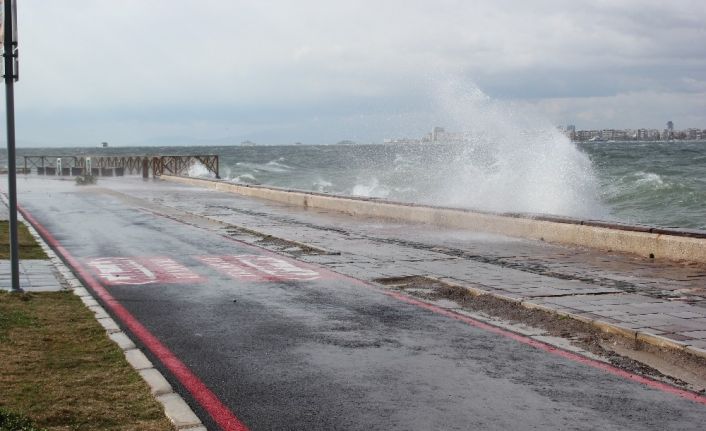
x=9, y=55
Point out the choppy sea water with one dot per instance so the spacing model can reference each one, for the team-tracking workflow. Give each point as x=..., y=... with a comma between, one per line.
x=658, y=183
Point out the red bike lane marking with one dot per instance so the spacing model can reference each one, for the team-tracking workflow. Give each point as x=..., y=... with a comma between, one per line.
x=257, y=267
x=209, y=401
x=117, y=271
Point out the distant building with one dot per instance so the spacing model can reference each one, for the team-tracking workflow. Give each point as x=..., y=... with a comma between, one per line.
x=694, y=134
x=437, y=133
x=571, y=131
x=393, y=141
x=620, y=135
x=582, y=135
x=608, y=134
x=669, y=131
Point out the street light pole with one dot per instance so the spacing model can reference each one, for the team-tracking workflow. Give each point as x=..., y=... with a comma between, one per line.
x=10, y=56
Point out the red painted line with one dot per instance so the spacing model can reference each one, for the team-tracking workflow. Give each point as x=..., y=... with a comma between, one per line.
x=651, y=383
x=201, y=393
x=551, y=349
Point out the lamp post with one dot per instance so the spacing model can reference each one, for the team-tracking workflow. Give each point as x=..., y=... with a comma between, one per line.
x=9, y=43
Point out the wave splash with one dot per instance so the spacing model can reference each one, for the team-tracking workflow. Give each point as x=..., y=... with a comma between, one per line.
x=512, y=160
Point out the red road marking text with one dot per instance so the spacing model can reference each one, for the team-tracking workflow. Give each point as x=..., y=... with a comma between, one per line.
x=141, y=270
x=256, y=267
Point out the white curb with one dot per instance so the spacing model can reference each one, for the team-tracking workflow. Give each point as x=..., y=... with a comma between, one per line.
x=175, y=408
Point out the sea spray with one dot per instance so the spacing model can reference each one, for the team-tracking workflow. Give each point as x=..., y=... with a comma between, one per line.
x=510, y=160
x=502, y=158
x=655, y=183
x=197, y=169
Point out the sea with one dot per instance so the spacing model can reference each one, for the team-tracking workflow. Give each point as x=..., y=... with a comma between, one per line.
x=650, y=183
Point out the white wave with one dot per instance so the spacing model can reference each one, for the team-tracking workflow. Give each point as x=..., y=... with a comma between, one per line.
x=272, y=166
x=370, y=188
x=197, y=169
x=321, y=185
x=648, y=179
x=513, y=160
x=277, y=164
x=245, y=178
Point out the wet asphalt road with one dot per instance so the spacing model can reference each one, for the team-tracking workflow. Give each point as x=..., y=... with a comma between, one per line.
x=287, y=345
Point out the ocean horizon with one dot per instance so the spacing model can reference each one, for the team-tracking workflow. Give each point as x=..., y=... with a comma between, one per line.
x=654, y=183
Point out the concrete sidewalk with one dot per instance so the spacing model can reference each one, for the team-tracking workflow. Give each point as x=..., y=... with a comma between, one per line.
x=659, y=302
x=35, y=275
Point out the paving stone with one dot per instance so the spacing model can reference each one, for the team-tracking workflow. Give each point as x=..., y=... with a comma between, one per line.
x=679, y=337
x=99, y=312
x=80, y=291
x=696, y=334
x=681, y=327
x=89, y=301
x=137, y=359
x=156, y=381
x=122, y=340
x=178, y=412
x=109, y=324
x=701, y=344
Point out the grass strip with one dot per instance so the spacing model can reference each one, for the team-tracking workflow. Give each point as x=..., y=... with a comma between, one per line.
x=61, y=370
x=29, y=249
x=13, y=422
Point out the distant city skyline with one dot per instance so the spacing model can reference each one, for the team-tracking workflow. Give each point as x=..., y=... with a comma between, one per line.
x=669, y=132
x=319, y=72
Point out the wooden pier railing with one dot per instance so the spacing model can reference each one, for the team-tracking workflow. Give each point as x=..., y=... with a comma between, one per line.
x=119, y=165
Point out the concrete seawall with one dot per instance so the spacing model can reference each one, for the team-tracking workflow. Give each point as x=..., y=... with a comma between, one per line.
x=645, y=241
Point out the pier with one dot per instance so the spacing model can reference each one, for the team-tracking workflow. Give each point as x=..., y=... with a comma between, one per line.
x=156, y=165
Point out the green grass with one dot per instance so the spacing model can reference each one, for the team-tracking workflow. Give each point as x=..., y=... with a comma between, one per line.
x=10, y=421
x=29, y=249
x=58, y=368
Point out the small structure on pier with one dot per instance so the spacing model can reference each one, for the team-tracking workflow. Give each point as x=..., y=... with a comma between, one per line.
x=118, y=165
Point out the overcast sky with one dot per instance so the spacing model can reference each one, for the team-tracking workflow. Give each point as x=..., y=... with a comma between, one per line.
x=134, y=72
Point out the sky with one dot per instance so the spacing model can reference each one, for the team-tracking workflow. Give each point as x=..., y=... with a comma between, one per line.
x=161, y=72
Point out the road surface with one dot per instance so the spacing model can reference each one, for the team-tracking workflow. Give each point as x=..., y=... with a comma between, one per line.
x=261, y=341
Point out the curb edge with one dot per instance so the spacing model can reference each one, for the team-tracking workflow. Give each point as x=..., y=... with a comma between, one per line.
x=174, y=407
x=610, y=328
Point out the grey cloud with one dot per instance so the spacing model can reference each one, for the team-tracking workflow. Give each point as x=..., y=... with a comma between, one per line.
x=275, y=67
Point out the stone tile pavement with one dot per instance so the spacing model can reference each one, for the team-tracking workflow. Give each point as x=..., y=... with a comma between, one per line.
x=35, y=276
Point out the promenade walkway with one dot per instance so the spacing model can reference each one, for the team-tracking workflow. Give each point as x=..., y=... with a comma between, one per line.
x=262, y=316
x=659, y=301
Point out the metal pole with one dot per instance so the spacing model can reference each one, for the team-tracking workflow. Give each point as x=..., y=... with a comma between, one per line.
x=9, y=58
